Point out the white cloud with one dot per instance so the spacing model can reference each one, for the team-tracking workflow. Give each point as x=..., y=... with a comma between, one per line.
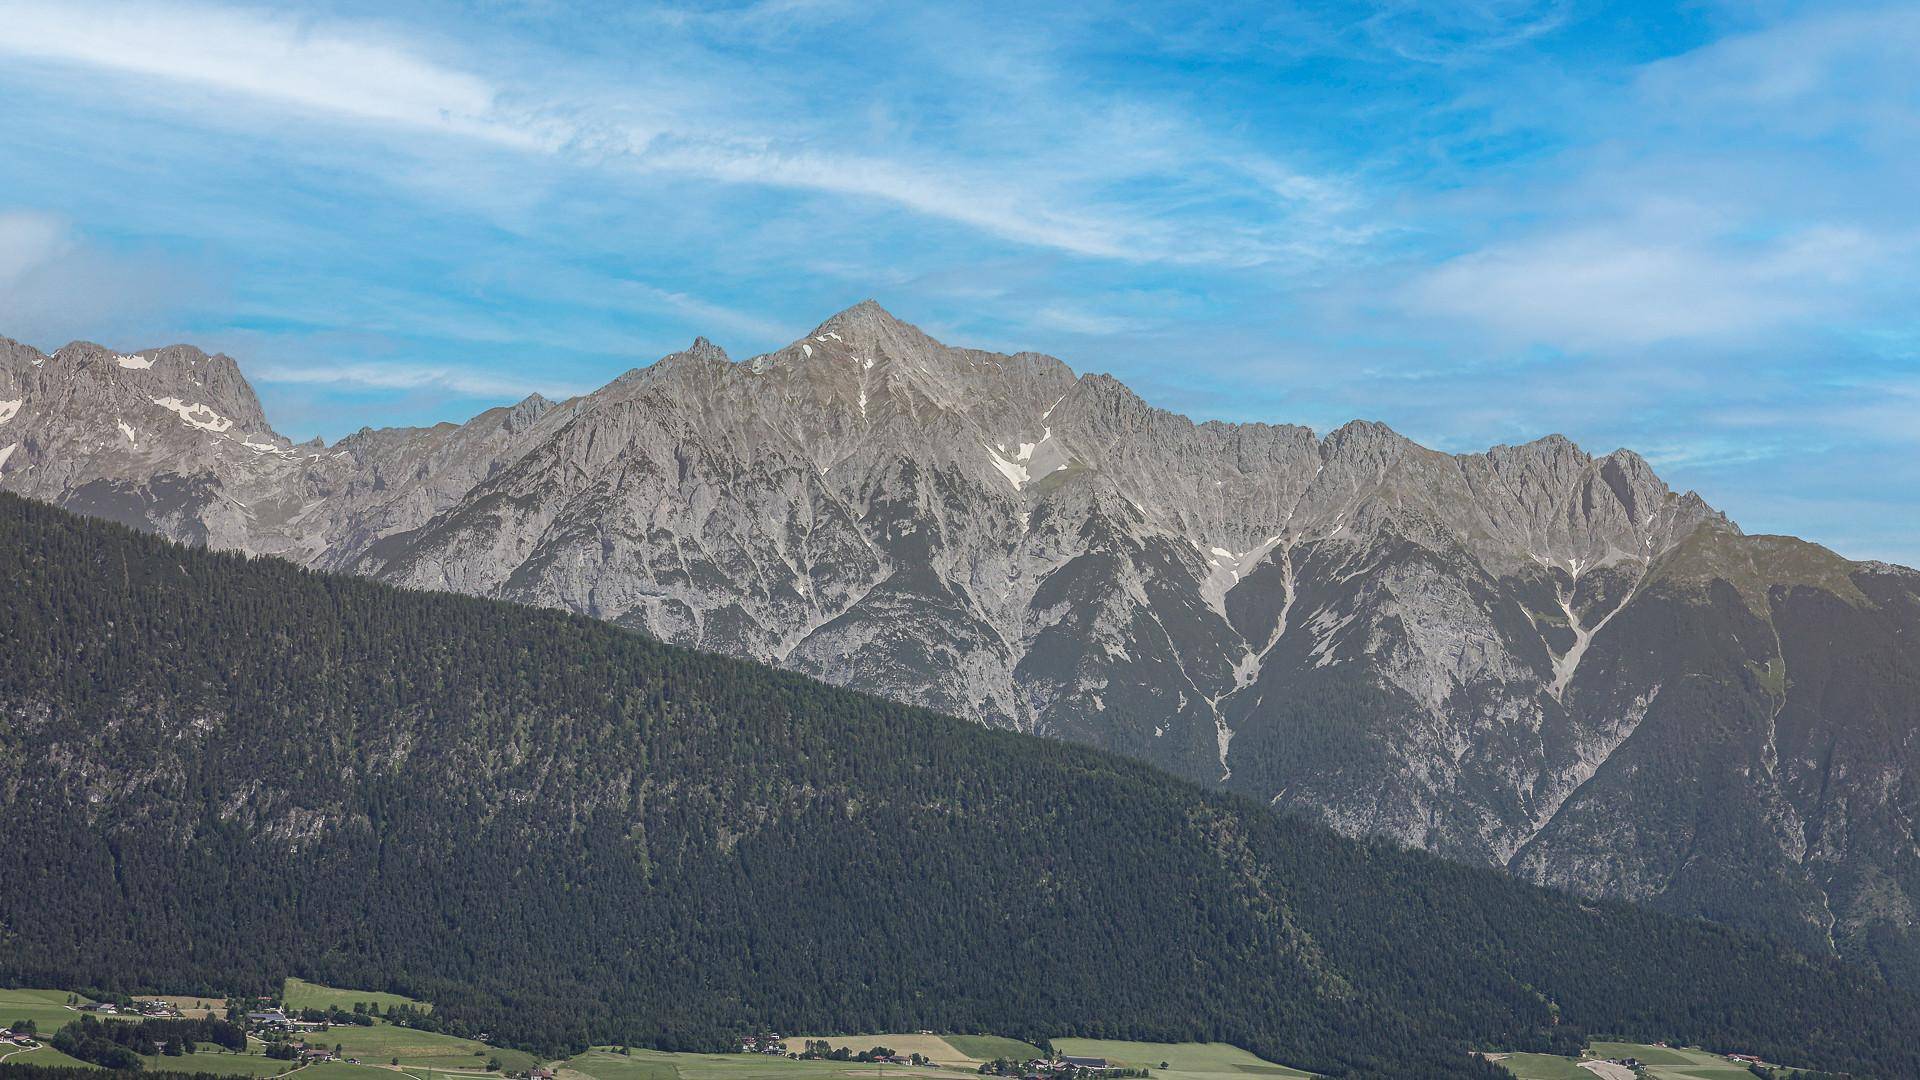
x=1075, y=320
x=28, y=241
x=1034, y=192
x=718, y=316
x=1634, y=284
x=1821, y=62
x=268, y=58
x=472, y=381
x=1460, y=30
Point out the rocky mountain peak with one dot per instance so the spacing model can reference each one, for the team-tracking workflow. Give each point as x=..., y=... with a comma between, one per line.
x=867, y=321
x=704, y=351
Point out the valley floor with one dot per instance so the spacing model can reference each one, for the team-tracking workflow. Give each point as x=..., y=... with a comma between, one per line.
x=383, y=1049
x=379, y=1051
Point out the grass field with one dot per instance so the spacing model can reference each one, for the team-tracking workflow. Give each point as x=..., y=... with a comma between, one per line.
x=936, y=1048
x=375, y=1046
x=340, y=1070
x=47, y=1008
x=206, y=1062
x=381, y=1043
x=223, y=1064
x=989, y=1047
x=46, y=1055
x=301, y=994
x=1662, y=1063
x=1185, y=1061
x=1543, y=1067
x=1672, y=1063
x=192, y=1006
x=603, y=1064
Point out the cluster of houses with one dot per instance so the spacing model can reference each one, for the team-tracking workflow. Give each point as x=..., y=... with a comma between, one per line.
x=774, y=1044
x=10, y=1037
x=1054, y=1068
x=309, y=1053
x=277, y=1022
x=152, y=1008
x=1639, y=1066
x=1058, y=1068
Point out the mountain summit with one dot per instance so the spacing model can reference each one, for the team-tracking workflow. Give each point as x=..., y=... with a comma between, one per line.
x=1530, y=657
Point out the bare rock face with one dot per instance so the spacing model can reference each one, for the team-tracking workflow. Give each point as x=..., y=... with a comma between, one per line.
x=1531, y=657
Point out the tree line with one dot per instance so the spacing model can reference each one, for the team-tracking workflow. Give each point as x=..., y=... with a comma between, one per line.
x=121, y=1044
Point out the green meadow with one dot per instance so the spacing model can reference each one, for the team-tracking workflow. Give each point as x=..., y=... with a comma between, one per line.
x=47, y=1056
x=990, y=1047
x=1543, y=1067
x=383, y=1042
x=423, y=1052
x=301, y=994
x=1660, y=1063
x=1184, y=1061
x=609, y=1064
x=47, y=1008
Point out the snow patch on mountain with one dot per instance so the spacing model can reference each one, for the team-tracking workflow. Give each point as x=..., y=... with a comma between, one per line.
x=195, y=415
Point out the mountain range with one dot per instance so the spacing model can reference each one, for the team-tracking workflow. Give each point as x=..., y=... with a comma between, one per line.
x=220, y=771
x=1531, y=658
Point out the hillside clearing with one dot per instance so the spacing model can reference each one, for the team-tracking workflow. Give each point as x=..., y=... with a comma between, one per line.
x=989, y=1047
x=1184, y=1061
x=1656, y=1063
x=301, y=994
x=935, y=1048
x=608, y=1064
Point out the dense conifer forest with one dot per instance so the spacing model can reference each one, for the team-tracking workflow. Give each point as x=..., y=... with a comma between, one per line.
x=219, y=771
x=17, y=1070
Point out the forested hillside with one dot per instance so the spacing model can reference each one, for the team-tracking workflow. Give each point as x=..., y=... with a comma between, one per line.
x=218, y=771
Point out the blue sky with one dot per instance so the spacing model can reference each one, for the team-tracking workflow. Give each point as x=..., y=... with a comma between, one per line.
x=1686, y=228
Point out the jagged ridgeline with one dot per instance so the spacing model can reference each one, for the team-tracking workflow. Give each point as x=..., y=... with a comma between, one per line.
x=219, y=770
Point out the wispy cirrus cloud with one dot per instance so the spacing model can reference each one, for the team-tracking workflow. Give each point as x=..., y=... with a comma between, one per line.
x=1637, y=282
x=283, y=59
x=356, y=72
x=466, y=381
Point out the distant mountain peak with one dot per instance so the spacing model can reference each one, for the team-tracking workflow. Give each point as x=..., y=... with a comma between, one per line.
x=866, y=313
x=702, y=349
